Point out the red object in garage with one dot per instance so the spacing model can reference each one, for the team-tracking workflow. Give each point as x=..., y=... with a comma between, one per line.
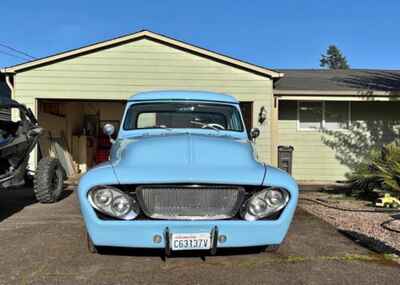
x=103, y=149
x=102, y=155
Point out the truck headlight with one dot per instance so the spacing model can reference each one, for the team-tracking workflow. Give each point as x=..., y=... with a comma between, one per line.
x=113, y=202
x=103, y=197
x=121, y=206
x=264, y=203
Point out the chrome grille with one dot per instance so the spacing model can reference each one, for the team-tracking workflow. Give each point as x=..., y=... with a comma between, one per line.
x=190, y=202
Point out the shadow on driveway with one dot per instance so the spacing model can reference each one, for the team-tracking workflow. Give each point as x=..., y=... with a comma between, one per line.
x=123, y=251
x=13, y=200
x=369, y=242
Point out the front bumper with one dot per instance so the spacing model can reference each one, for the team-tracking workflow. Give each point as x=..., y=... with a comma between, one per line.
x=140, y=234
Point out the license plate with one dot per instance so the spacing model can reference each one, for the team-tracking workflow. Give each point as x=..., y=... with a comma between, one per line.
x=191, y=241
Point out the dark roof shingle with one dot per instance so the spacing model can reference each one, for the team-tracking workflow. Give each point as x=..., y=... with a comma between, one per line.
x=339, y=80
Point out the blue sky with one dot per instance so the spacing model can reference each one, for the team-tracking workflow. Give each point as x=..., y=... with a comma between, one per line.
x=275, y=34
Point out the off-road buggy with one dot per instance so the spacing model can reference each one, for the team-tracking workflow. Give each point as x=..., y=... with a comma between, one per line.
x=17, y=140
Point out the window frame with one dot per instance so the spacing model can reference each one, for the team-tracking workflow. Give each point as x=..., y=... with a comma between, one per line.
x=234, y=106
x=323, y=124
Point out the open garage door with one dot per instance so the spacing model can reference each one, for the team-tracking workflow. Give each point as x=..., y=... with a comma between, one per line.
x=73, y=131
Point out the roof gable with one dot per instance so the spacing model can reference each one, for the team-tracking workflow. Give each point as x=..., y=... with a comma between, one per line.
x=141, y=35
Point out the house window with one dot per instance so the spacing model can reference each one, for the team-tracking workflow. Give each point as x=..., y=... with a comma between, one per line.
x=337, y=115
x=329, y=115
x=309, y=115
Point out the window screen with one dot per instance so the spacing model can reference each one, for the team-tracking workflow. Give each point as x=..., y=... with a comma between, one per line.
x=310, y=115
x=336, y=115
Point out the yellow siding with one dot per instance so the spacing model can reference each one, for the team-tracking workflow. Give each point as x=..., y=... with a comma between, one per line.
x=144, y=65
x=315, y=160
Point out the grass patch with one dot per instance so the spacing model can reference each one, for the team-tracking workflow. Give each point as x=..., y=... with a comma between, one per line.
x=389, y=260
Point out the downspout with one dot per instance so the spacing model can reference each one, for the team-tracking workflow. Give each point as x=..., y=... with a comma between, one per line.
x=275, y=123
x=10, y=85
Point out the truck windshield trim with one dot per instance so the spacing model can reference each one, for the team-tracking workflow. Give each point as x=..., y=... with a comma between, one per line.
x=183, y=115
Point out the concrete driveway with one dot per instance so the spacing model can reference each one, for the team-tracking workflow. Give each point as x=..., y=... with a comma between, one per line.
x=45, y=244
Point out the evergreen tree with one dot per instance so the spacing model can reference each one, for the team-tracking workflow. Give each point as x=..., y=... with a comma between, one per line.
x=334, y=59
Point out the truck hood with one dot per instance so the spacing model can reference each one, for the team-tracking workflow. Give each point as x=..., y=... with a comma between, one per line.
x=186, y=158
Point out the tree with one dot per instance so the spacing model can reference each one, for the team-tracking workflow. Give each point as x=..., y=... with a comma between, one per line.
x=334, y=59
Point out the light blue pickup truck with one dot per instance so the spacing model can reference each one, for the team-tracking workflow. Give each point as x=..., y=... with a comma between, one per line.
x=183, y=175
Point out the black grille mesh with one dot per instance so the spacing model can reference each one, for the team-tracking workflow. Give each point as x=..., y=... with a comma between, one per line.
x=190, y=202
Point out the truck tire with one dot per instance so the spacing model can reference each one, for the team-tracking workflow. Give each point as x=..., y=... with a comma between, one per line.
x=49, y=180
x=272, y=248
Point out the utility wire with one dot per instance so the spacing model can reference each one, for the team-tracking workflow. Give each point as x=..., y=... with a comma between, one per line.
x=12, y=55
x=17, y=51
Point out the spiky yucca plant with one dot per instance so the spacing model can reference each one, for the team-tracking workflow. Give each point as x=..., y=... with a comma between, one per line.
x=364, y=175
x=389, y=167
x=379, y=169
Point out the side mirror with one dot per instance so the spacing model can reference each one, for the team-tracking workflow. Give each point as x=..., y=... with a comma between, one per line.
x=254, y=133
x=109, y=129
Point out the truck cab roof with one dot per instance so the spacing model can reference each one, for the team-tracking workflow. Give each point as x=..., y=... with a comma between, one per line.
x=183, y=95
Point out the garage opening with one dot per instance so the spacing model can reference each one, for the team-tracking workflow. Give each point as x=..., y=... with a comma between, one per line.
x=73, y=131
x=247, y=113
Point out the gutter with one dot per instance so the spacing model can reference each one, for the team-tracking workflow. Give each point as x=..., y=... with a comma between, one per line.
x=360, y=92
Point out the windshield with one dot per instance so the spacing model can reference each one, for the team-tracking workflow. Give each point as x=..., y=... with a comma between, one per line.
x=183, y=115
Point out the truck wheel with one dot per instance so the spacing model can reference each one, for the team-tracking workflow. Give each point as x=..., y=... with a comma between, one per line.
x=49, y=180
x=91, y=247
x=271, y=248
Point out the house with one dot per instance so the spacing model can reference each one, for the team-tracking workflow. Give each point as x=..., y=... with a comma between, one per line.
x=73, y=93
x=333, y=117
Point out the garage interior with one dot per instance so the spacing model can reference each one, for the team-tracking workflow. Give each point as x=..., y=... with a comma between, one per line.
x=73, y=131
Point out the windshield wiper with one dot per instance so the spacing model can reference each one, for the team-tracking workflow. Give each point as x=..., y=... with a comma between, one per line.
x=164, y=127
x=213, y=126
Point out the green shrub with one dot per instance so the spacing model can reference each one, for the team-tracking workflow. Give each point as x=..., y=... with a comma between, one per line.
x=379, y=169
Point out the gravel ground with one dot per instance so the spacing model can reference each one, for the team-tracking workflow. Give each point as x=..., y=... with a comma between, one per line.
x=364, y=227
